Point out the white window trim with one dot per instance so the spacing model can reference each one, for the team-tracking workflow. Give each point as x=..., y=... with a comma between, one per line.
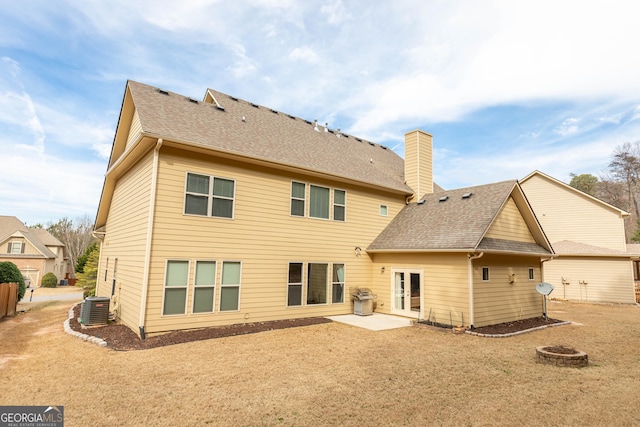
x=327, y=282
x=330, y=203
x=386, y=210
x=302, y=286
x=344, y=283
x=488, y=279
x=334, y=204
x=532, y=274
x=193, y=285
x=210, y=196
x=17, y=243
x=239, y=285
x=164, y=287
x=292, y=198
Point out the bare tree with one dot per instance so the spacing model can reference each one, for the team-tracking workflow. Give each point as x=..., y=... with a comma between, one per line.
x=76, y=237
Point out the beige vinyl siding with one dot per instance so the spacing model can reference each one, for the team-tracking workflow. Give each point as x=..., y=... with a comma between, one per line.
x=445, y=293
x=134, y=132
x=608, y=279
x=498, y=300
x=125, y=239
x=262, y=235
x=568, y=215
x=509, y=225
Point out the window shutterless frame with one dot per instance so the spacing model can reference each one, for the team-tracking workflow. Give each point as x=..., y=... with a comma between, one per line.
x=298, y=199
x=208, y=195
x=295, y=284
x=485, y=274
x=204, y=286
x=230, y=286
x=176, y=287
x=339, y=205
x=532, y=273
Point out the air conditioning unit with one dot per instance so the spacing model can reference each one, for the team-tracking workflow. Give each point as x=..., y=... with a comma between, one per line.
x=94, y=311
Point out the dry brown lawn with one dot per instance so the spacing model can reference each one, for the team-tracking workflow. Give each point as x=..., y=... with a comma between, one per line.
x=331, y=374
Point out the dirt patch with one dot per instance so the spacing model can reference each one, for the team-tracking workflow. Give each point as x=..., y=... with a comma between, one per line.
x=120, y=337
x=516, y=326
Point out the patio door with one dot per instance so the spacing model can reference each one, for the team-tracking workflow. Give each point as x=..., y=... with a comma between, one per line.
x=406, y=292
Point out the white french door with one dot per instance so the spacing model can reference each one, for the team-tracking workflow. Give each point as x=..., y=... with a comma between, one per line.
x=406, y=292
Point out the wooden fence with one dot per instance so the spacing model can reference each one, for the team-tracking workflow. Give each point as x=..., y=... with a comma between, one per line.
x=8, y=299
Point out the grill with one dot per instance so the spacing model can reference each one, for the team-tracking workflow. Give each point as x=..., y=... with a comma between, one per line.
x=363, y=302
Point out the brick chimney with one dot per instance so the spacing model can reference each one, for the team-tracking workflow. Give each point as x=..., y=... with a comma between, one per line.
x=418, y=162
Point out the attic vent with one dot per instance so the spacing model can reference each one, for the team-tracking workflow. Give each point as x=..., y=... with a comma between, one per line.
x=307, y=122
x=254, y=105
x=330, y=131
x=219, y=107
x=443, y=198
x=163, y=92
x=274, y=111
x=195, y=101
x=291, y=117
x=467, y=195
x=372, y=144
x=358, y=139
x=383, y=147
x=233, y=97
x=421, y=202
x=345, y=135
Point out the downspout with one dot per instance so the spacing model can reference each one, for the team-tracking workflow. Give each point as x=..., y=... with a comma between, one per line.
x=470, y=276
x=542, y=261
x=101, y=238
x=147, y=255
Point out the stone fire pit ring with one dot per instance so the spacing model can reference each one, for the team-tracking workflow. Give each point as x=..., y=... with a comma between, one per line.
x=562, y=356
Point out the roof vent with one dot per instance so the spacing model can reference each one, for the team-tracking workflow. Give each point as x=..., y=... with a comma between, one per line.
x=219, y=107
x=244, y=119
x=421, y=202
x=163, y=92
x=326, y=126
x=383, y=147
x=443, y=198
x=358, y=139
x=274, y=111
x=467, y=195
x=254, y=105
x=233, y=97
x=291, y=117
x=195, y=101
x=315, y=125
x=338, y=134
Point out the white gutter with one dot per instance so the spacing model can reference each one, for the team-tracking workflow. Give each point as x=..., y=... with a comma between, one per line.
x=470, y=275
x=147, y=255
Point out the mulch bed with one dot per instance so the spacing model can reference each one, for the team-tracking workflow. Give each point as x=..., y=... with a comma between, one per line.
x=120, y=337
x=516, y=326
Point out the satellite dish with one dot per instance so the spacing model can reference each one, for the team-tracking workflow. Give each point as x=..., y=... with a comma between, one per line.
x=544, y=288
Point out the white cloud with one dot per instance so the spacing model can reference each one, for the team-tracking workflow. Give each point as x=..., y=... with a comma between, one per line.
x=568, y=127
x=305, y=54
x=335, y=12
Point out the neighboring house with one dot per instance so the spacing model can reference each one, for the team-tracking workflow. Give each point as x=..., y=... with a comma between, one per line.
x=222, y=211
x=33, y=250
x=592, y=262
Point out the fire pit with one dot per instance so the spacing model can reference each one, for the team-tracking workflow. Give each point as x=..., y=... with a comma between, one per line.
x=562, y=356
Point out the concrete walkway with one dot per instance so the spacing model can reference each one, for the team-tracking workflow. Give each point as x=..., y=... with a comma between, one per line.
x=374, y=322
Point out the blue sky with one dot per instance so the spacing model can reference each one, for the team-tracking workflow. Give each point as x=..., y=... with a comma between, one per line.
x=505, y=87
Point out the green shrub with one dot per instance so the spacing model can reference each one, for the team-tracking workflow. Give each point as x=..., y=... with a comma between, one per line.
x=49, y=280
x=10, y=273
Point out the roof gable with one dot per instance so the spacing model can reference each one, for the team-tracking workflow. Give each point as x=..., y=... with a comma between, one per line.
x=573, y=191
x=11, y=226
x=458, y=220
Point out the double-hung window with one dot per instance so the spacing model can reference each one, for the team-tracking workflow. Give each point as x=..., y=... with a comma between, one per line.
x=339, y=205
x=204, y=286
x=319, y=202
x=294, y=286
x=337, y=284
x=175, y=287
x=298, y=194
x=15, y=248
x=230, y=286
x=209, y=196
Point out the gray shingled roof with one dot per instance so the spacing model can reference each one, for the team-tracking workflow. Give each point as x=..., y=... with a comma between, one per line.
x=568, y=247
x=453, y=224
x=265, y=134
x=40, y=238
